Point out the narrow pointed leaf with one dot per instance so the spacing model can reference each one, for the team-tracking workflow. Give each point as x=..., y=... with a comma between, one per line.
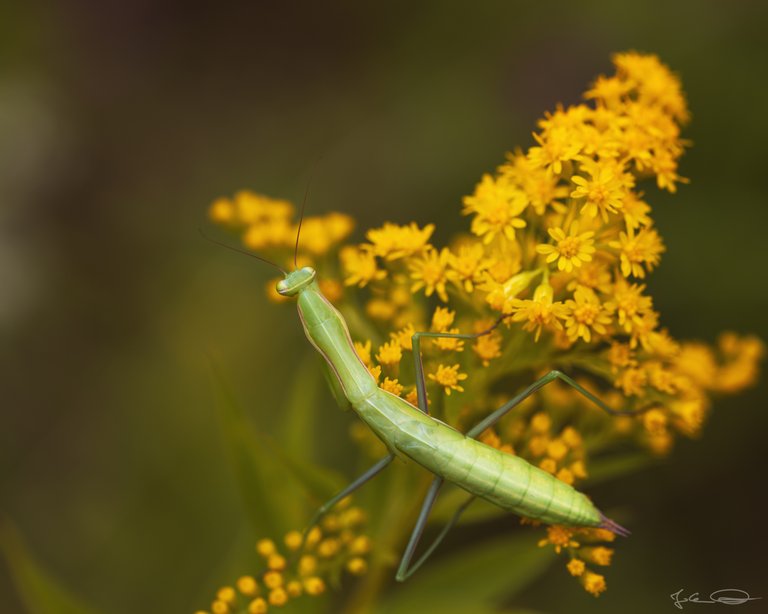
x=475, y=579
x=38, y=590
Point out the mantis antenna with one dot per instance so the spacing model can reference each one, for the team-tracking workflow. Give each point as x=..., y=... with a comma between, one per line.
x=301, y=217
x=241, y=251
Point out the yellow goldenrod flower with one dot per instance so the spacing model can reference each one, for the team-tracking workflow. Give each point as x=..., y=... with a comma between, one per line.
x=307, y=565
x=364, y=352
x=265, y=547
x=222, y=211
x=578, y=469
x=390, y=353
x=558, y=145
x=487, y=347
x=609, y=90
x=328, y=548
x=497, y=206
x=431, y=272
x=338, y=226
x=278, y=597
x=661, y=378
x=639, y=250
x=571, y=250
x=541, y=423
x=392, y=385
x=576, y=567
x=586, y=314
x=360, y=266
x=540, y=312
x=604, y=192
x=332, y=289
x=314, y=586
x=537, y=445
x=404, y=336
x=294, y=588
x=273, y=579
x=597, y=535
x=292, y=540
x=621, y=355
x=449, y=378
x=571, y=437
x=357, y=566
x=549, y=465
x=258, y=606
x=219, y=607
x=635, y=212
x=392, y=241
x=592, y=275
x=226, y=594
x=632, y=381
x=276, y=562
x=542, y=188
x=380, y=309
x=451, y=344
x=557, y=449
x=247, y=585
x=598, y=555
x=656, y=84
x=468, y=264
x=560, y=537
x=593, y=583
x=442, y=319
x=631, y=304
x=313, y=537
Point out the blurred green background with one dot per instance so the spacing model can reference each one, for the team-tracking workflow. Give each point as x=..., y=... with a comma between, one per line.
x=120, y=122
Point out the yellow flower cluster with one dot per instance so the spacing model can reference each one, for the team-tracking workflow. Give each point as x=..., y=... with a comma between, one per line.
x=562, y=539
x=336, y=546
x=560, y=241
x=266, y=226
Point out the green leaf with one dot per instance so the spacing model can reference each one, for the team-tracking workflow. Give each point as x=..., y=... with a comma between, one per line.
x=473, y=579
x=299, y=412
x=262, y=481
x=275, y=484
x=39, y=591
x=299, y=432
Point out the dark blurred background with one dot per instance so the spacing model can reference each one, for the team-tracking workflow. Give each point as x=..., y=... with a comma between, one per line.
x=121, y=121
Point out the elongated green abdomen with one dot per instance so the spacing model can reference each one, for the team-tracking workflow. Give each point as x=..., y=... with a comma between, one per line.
x=501, y=478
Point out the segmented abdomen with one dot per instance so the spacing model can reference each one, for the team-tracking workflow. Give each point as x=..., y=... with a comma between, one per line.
x=501, y=478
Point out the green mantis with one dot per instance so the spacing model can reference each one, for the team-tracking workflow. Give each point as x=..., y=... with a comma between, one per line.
x=409, y=432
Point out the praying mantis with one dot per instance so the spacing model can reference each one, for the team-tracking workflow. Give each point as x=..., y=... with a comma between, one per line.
x=410, y=432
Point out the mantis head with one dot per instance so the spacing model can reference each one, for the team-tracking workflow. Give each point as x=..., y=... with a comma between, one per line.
x=296, y=281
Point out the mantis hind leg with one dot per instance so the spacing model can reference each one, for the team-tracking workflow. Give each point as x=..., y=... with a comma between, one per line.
x=405, y=570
